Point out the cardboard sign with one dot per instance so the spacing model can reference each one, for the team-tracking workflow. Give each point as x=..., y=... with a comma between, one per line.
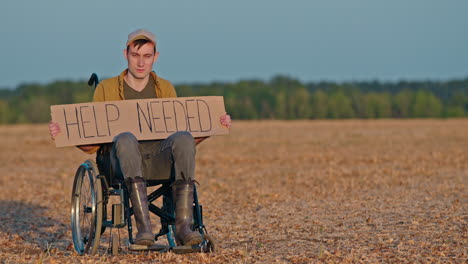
x=100, y=122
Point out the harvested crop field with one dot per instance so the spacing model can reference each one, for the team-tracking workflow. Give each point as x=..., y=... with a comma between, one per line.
x=388, y=191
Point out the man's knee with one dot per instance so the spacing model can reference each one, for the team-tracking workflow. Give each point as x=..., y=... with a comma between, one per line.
x=183, y=140
x=125, y=140
x=126, y=157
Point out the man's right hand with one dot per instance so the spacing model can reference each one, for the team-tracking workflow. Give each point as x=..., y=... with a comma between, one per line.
x=54, y=129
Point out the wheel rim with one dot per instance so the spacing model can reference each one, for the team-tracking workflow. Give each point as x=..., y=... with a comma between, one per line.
x=85, y=213
x=87, y=203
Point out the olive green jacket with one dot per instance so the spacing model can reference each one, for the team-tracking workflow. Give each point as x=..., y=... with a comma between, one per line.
x=113, y=90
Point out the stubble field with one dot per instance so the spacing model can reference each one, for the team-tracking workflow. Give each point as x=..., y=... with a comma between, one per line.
x=388, y=191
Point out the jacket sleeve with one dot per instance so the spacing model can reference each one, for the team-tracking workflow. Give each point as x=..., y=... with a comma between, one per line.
x=99, y=93
x=166, y=88
x=92, y=149
x=172, y=91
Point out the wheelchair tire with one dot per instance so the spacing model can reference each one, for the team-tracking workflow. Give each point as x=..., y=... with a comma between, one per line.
x=86, y=209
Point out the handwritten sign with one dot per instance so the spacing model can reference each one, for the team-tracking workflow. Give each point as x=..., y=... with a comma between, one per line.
x=147, y=119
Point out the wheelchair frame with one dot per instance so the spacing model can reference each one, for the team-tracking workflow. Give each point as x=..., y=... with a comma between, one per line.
x=90, y=198
x=89, y=220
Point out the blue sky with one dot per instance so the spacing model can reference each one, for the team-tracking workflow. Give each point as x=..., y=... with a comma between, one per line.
x=203, y=41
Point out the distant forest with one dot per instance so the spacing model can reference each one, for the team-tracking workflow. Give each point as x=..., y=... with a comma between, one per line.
x=281, y=97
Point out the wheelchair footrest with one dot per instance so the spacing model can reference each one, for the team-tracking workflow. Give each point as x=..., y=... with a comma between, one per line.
x=155, y=247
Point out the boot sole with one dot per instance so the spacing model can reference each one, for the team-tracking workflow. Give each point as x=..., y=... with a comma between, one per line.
x=155, y=247
x=144, y=242
x=186, y=249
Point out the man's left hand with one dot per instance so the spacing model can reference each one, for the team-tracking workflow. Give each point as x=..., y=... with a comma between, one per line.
x=225, y=120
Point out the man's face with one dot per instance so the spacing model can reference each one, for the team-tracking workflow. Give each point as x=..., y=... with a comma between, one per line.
x=140, y=60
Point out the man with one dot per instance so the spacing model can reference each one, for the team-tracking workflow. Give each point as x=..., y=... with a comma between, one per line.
x=131, y=158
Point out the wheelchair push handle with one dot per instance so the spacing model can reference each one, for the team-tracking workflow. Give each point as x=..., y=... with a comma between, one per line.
x=93, y=80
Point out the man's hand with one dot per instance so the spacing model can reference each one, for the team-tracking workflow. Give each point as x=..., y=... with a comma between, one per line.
x=225, y=120
x=54, y=129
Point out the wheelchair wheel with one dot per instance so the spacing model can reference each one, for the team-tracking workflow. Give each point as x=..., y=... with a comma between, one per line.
x=86, y=209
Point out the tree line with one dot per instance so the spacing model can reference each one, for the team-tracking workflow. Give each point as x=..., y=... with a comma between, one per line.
x=281, y=97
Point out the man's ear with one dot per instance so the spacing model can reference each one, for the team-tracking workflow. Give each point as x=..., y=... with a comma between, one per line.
x=125, y=54
x=156, y=55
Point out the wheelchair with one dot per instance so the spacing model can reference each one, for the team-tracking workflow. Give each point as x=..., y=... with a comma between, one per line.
x=100, y=201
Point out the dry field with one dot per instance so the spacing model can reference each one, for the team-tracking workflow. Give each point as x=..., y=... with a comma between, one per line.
x=388, y=191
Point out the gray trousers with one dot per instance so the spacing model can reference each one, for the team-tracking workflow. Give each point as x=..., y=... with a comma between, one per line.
x=154, y=160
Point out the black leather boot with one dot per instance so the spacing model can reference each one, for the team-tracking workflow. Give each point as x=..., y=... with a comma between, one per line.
x=183, y=198
x=137, y=190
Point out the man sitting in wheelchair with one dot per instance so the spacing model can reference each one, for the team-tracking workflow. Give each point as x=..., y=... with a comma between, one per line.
x=133, y=159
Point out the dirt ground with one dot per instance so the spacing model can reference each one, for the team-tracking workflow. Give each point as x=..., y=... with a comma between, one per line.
x=386, y=191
